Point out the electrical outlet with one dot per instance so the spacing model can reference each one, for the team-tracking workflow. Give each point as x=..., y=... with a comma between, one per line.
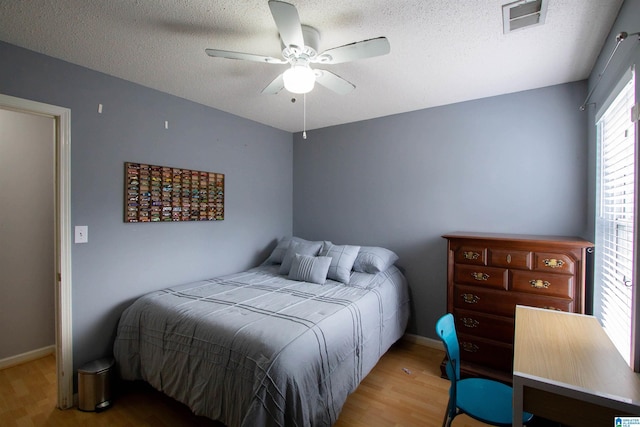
x=82, y=234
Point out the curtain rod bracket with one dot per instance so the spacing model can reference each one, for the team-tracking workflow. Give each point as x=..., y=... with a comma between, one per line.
x=620, y=37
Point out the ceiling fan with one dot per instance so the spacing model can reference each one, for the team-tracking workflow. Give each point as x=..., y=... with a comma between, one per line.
x=300, y=44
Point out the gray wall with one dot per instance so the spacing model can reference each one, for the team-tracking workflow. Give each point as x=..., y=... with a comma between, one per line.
x=510, y=164
x=516, y=163
x=26, y=232
x=122, y=261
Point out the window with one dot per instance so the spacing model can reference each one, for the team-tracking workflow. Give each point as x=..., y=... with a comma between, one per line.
x=614, y=257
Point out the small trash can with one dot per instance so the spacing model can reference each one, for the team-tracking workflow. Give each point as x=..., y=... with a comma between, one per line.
x=94, y=385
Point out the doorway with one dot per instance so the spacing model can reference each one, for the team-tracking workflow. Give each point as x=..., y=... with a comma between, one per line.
x=62, y=237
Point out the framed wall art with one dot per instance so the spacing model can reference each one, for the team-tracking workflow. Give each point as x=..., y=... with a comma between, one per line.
x=162, y=194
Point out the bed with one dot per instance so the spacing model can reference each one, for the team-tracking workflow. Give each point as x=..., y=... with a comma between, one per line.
x=282, y=344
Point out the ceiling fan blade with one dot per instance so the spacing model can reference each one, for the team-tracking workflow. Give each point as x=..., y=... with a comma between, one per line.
x=333, y=82
x=217, y=53
x=357, y=50
x=288, y=22
x=275, y=86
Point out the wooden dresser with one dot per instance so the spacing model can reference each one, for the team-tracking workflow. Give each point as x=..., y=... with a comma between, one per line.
x=489, y=274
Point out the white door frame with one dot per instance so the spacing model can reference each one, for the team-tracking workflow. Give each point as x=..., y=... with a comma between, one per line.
x=62, y=215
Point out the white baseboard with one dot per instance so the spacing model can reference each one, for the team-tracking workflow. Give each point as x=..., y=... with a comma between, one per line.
x=27, y=357
x=427, y=342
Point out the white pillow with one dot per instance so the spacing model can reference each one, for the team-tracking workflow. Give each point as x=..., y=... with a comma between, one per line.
x=309, y=268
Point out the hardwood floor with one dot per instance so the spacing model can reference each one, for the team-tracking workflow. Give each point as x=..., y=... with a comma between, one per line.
x=404, y=389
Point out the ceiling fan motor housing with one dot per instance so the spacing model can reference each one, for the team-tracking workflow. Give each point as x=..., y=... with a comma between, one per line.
x=309, y=51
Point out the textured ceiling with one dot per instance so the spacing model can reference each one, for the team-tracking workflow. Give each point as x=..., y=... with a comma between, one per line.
x=442, y=52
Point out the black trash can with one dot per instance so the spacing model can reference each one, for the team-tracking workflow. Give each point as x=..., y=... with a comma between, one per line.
x=94, y=385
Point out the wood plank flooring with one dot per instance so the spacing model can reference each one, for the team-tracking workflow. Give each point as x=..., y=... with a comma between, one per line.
x=404, y=389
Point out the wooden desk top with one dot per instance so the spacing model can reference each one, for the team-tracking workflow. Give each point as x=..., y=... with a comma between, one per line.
x=572, y=351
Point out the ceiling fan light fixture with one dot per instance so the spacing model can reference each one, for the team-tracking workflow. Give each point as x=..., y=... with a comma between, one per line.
x=299, y=79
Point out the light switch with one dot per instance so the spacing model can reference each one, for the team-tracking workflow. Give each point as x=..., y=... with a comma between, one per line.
x=82, y=234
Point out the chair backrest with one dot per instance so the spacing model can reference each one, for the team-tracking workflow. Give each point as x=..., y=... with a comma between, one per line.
x=446, y=330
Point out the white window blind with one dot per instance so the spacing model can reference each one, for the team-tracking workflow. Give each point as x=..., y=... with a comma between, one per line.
x=614, y=276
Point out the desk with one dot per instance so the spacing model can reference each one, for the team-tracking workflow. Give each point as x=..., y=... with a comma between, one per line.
x=566, y=369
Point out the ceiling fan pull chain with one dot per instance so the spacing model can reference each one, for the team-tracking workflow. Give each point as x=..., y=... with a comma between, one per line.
x=304, y=116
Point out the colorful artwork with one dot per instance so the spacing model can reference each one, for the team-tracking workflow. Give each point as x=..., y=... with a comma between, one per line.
x=162, y=193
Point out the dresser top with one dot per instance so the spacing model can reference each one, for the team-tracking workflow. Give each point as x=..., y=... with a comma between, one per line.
x=565, y=240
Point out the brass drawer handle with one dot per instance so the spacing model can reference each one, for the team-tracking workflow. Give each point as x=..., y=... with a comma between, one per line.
x=470, y=298
x=553, y=263
x=539, y=284
x=480, y=276
x=468, y=322
x=469, y=347
x=471, y=255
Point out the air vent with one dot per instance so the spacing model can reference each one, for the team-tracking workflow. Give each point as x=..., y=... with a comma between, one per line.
x=523, y=14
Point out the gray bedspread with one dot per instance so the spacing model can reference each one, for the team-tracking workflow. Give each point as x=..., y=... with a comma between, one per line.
x=256, y=349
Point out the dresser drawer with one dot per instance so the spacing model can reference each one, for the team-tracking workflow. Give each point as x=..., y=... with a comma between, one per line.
x=484, y=325
x=475, y=255
x=554, y=262
x=481, y=276
x=510, y=258
x=503, y=303
x=558, y=285
x=490, y=353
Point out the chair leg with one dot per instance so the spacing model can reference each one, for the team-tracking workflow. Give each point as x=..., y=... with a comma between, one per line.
x=448, y=415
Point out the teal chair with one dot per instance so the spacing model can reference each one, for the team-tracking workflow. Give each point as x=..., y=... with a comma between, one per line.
x=484, y=400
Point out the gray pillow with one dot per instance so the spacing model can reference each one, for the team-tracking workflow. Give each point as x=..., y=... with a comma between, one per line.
x=374, y=259
x=277, y=255
x=295, y=247
x=309, y=268
x=342, y=259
